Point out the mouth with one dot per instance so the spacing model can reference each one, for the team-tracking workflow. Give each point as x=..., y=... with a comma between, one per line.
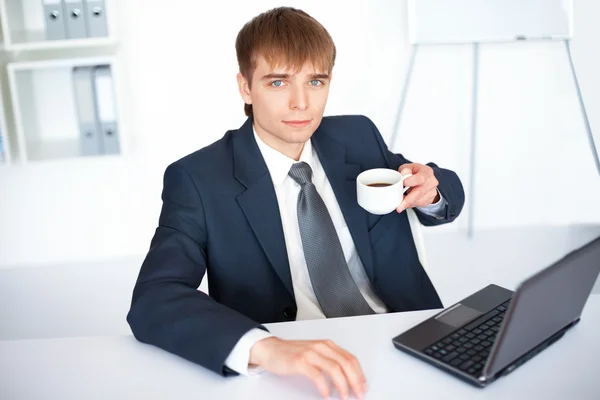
x=297, y=123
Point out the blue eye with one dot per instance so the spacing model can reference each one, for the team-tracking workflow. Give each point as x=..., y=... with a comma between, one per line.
x=277, y=83
x=315, y=82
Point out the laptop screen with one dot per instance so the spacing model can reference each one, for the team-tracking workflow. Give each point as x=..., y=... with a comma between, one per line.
x=546, y=303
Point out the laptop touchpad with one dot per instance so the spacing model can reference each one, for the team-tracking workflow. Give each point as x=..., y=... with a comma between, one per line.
x=458, y=315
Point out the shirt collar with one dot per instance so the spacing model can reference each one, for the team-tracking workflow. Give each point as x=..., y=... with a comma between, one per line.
x=279, y=164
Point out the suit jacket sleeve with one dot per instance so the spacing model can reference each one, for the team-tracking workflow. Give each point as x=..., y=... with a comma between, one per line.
x=167, y=310
x=449, y=185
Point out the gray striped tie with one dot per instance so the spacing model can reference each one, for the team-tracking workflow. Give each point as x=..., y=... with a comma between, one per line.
x=334, y=287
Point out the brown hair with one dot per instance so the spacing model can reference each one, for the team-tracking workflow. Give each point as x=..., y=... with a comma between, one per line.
x=284, y=36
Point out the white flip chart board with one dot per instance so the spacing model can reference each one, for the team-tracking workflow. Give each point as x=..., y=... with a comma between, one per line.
x=478, y=21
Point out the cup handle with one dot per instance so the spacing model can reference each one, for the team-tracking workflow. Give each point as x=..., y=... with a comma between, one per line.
x=406, y=187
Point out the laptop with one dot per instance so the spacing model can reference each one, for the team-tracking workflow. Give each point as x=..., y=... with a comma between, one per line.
x=492, y=332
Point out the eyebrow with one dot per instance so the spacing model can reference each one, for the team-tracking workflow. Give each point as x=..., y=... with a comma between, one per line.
x=286, y=76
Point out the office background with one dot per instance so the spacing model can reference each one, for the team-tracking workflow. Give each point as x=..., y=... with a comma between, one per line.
x=74, y=231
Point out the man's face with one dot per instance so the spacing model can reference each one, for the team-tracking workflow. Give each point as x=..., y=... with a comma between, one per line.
x=288, y=105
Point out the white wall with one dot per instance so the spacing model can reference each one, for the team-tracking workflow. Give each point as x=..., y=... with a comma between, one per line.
x=535, y=167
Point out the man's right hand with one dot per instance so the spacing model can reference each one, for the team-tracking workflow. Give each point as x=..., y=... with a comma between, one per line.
x=313, y=359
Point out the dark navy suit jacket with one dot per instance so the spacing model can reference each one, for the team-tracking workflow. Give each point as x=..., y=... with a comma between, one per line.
x=220, y=216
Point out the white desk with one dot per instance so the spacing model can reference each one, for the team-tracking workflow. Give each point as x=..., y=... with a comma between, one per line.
x=119, y=367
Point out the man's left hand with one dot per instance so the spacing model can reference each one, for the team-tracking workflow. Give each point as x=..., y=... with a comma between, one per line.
x=423, y=186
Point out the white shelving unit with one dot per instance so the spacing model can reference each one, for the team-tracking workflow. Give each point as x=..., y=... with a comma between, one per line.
x=41, y=120
x=23, y=28
x=45, y=112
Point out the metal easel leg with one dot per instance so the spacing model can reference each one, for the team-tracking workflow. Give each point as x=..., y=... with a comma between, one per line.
x=407, y=78
x=471, y=194
x=582, y=107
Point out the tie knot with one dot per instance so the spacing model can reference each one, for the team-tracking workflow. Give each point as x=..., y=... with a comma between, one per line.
x=301, y=173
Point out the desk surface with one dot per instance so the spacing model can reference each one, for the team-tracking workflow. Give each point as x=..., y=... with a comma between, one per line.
x=119, y=367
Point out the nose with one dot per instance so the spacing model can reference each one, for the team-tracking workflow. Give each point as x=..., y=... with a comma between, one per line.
x=298, y=98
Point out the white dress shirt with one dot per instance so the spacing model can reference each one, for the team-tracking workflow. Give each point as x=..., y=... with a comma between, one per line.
x=287, y=191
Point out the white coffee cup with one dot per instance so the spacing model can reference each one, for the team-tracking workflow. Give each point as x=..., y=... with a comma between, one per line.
x=380, y=200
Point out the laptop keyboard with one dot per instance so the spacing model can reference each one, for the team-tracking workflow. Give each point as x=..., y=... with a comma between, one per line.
x=469, y=347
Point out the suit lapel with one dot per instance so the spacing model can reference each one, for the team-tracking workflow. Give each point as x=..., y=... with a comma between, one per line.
x=259, y=202
x=342, y=177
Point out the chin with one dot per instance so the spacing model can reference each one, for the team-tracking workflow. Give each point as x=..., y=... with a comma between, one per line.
x=302, y=135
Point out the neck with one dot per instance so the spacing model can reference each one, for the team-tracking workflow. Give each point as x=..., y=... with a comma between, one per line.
x=291, y=150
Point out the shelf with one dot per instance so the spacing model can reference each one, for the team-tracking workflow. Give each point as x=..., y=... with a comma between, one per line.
x=24, y=25
x=47, y=106
x=34, y=40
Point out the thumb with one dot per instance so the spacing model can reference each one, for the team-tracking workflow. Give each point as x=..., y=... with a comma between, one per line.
x=405, y=169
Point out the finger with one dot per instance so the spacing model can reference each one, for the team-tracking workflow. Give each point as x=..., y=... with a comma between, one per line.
x=432, y=195
x=415, y=180
x=350, y=365
x=317, y=378
x=412, y=199
x=401, y=207
x=331, y=368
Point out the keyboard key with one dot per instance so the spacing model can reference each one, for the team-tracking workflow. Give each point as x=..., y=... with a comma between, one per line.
x=489, y=332
x=464, y=356
x=477, y=359
x=478, y=347
x=475, y=341
x=466, y=365
x=481, y=320
x=482, y=337
x=471, y=352
x=434, y=348
x=462, y=332
x=447, y=341
x=472, y=371
x=456, y=362
x=450, y=348
x=456, y=343
x=450, y=356
x=470, y=335
x=443, y=352
x=478, y=366
x=497, y=319
x=484, y=353
x=428, y=351
x=461, y=350
x=495, y=328
x=501, y=308
x=455, y=336
x=437, y=355
x=477, y=331
x=440, y=344
x=468, y=345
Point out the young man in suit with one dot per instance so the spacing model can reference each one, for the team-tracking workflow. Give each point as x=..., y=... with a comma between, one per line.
x=269, y=212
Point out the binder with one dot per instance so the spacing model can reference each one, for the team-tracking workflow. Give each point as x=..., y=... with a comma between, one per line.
x=89, y=132
x=75, y=19
x=95, y=12
x=106, y=110
x=54, y=19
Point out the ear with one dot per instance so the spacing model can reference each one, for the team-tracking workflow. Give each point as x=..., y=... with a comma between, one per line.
x=244, y=88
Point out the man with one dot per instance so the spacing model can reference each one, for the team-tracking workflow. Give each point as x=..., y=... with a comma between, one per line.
x=269, y=212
